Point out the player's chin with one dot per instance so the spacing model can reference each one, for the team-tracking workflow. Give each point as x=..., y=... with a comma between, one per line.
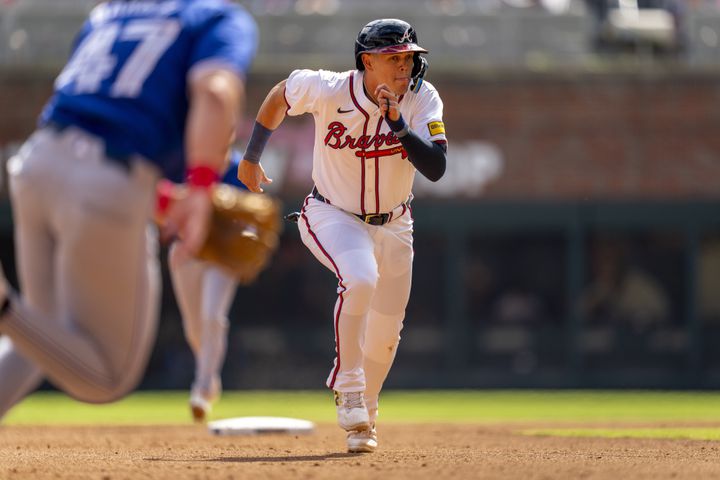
x=401, y=85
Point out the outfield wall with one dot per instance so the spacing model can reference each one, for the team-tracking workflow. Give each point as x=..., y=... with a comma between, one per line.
x=573, y=242
x=548, y=173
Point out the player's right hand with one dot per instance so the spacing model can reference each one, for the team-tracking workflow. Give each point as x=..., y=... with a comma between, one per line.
x=252, y=175
x=188, y=219
x=388, y=102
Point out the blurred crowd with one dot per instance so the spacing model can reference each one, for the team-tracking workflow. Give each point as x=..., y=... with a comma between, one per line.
x=615, y=26
x=440, y=7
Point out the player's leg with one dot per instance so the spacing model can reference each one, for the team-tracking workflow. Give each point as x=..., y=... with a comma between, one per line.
x=107, y=273
x=385, y=319
x=218, y=291
x=18, y=375
x=341, y=243
x=186, y=275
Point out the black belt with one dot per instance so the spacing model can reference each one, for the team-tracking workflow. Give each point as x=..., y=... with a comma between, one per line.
x=372, y=218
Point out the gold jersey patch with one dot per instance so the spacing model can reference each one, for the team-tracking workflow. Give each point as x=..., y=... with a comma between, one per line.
x=436, y=128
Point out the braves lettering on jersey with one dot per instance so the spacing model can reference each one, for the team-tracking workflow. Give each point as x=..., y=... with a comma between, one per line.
x=121, y=82
x=358, y=163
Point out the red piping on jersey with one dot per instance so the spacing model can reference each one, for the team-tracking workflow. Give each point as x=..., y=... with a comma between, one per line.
x=362, y=160
x=377, y=170
x=340, y=294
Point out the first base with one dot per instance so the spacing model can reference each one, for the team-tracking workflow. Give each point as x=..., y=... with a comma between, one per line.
x=260, y=425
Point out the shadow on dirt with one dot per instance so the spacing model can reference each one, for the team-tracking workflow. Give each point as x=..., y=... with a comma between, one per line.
x=289, y=458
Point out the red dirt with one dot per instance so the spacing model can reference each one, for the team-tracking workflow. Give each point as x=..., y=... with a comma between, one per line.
x=406, y=452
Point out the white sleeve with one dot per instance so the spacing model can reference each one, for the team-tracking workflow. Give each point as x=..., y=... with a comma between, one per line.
x=302, y=91
x=427, y=121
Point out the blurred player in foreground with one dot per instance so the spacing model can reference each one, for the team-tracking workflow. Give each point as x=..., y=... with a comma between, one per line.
x=204, y=292
x=146, y=80
x=374, y=127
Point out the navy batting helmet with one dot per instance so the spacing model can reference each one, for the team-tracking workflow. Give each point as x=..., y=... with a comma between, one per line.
x=390, y=35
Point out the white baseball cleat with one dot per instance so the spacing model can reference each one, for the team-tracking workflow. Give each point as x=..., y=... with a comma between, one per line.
x=362, y=441
x=200, y=407
x=201, y=400
x=352, y=413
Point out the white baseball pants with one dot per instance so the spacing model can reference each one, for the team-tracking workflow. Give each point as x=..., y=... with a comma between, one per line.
x=373, y=265
x=204, y=294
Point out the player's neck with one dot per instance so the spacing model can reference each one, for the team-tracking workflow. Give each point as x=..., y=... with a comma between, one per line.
x=369, y=86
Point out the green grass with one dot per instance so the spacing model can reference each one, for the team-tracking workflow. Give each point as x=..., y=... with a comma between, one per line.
x=690, y=433
x=559, y=408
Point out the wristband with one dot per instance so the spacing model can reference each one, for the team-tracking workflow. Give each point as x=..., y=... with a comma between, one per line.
x=256, y=144
x=398, y=127
x=201, y=176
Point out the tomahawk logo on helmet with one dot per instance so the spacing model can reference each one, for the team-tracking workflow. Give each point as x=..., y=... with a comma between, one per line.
x=390, y=35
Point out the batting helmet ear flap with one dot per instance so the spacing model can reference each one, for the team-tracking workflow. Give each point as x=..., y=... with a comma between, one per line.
x=420, y=67
x=359, y=48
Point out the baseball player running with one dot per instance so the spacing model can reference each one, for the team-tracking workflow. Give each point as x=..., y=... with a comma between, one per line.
x=374, y=127
x=204, y=292
x=146, y=80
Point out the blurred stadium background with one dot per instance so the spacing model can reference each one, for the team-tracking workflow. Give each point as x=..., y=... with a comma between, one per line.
x=575, y=240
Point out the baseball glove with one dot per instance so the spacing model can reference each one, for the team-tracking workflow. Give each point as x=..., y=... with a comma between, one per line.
x=244, y=229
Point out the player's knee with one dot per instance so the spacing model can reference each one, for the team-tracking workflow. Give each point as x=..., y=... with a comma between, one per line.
x=362, y=284
x=216, y=323
x=125, y=386
x=359, y=290
x=113, y=387
x=105, y=393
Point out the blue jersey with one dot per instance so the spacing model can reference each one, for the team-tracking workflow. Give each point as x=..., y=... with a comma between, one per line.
x=230, y=175
x=127, y=78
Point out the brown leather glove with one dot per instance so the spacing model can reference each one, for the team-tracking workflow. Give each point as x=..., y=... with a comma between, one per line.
x=244, y=229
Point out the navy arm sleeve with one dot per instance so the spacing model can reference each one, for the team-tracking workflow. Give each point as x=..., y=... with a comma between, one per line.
x=429, y=158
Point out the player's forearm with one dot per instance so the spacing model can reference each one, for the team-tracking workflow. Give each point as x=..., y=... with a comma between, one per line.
x=269, y=117
x=272, y=111
x=215, y=104
x=429, y=158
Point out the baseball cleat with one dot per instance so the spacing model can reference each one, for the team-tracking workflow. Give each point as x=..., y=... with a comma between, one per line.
x=200, y=408
x=362, y=441
x=352, y=413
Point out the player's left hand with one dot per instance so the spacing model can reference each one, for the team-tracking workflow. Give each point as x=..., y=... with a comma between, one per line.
x=388, y=102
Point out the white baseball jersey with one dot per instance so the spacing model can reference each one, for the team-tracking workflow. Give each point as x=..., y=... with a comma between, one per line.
x=359, y=165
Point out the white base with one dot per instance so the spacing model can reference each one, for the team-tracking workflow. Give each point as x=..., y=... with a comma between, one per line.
x=260, y=425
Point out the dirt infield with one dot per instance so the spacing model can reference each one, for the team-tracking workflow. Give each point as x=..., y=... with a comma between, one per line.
x=406, y=452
